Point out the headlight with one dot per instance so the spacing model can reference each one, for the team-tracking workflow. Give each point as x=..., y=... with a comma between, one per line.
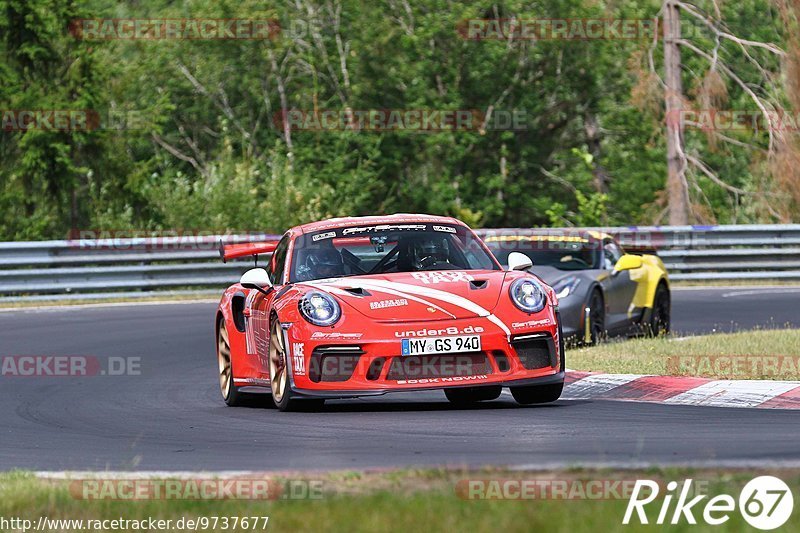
x=320, y=309
x=566, y=286
x=528, y=295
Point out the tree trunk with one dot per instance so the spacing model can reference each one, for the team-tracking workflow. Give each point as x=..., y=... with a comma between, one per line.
x=592, y=129
x=677, y=188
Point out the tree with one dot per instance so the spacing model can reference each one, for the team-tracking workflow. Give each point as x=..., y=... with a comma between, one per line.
x=749, y=65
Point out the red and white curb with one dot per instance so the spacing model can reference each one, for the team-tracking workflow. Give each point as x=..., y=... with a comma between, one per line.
x=671, y=390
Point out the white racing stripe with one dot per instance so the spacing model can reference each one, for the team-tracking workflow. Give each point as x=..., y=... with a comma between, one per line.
x=437, y=294
x=595, y=385
x=330, y=287
x=499, y=323
x=728, y=393
x=407, y=291
x=443, y=296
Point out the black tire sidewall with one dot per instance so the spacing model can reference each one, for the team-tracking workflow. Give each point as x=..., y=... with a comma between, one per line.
x=596, y=295
x=473, y=395
x=537, y=394
x=655, y=330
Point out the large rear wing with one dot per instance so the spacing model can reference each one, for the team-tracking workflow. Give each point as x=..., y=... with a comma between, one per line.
x=232, y=251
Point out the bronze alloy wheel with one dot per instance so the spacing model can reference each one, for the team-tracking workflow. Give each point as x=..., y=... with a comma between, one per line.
x=224, y=360
x=277, y=362
x=227, y=386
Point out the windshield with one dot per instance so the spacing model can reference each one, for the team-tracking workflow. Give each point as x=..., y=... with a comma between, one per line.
x=387, y=248
x=563, y=253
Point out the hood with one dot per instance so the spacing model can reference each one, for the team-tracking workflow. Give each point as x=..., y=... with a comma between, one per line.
x=407, y=296
x=551, y=275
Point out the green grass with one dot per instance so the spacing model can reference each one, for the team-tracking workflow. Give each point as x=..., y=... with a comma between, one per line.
x=770, y=354
x=405, y=500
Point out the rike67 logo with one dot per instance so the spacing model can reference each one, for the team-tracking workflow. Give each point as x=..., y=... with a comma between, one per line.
x=765, y=503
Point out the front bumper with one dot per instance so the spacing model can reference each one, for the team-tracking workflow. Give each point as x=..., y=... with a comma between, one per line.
x=551, y=379
x=339, y=364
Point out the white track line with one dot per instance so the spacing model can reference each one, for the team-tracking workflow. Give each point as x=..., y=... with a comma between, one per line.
x=595, y=385
x=632, y=464
x=146, y=474
x=754, y=288
x=755, y=292
x=728, y=393
x=635, y=464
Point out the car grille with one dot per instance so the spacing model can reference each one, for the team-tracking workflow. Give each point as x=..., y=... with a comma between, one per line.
x=535, y=351
x=333, y=363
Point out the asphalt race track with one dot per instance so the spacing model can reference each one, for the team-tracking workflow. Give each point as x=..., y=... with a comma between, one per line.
x=171, y=416
x=731, y=309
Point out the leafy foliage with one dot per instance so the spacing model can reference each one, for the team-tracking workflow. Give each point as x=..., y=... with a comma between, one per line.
x=202, y=144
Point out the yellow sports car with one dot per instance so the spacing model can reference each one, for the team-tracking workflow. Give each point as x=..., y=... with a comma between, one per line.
x=601, y=290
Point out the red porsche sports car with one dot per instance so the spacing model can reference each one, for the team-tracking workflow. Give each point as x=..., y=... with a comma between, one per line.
x=363, y=306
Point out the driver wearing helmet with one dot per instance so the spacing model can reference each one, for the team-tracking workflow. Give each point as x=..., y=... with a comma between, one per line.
x=324, y=263
x=430, y=253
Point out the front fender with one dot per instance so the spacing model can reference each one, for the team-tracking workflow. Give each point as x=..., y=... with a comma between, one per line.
x=244, y=365
x=647, y=278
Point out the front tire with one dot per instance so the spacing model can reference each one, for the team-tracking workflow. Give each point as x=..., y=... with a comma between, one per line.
x=660, y=316
x=535, y=394
x=472, y=395
x=597, y=318
x=230, y=392
x=279, y=374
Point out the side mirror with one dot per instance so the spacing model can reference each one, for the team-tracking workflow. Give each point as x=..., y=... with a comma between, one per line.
x=519, y=261
x=256, y=278
x=628, y=262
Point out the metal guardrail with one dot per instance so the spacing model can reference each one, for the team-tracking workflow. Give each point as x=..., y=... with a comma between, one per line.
x=90, y=265
x=705, y=253
x=735, y=252
x=732, y=252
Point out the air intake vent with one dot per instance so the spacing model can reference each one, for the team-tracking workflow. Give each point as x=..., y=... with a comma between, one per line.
x=477, y=284
x=375, y=368
x=503, y=365
x=535, y=351
x=333, y=363
x=358, y=291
